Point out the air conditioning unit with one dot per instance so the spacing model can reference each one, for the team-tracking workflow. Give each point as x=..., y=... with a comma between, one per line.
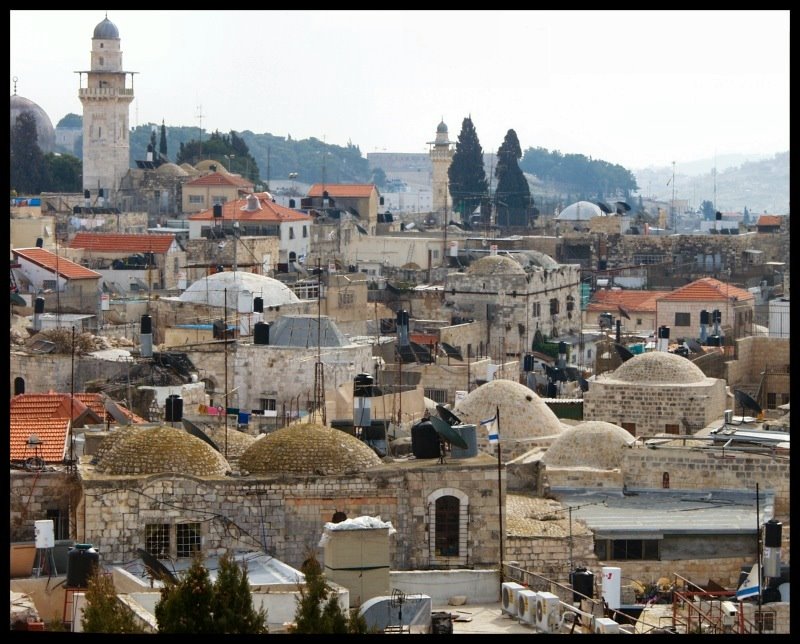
x=605, y=625
x=526, y=606
x=546, y=619
x=508, y=598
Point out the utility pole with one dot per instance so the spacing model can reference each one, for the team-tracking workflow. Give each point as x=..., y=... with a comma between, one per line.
x=319, y=373
x=225, y=348
x=674, y=213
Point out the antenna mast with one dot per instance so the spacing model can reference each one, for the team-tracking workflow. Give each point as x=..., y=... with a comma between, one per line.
x=200, y=120
x=674, y=213
x=319, y=373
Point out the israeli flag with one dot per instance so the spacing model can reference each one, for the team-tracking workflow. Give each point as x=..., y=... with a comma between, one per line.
x=749, y=587
x=491, y=428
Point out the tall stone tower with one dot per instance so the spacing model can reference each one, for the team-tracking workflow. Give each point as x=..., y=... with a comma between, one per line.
x=441, y=152
x=105, y=100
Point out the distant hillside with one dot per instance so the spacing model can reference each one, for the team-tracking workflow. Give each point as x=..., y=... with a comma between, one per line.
x=760, y=186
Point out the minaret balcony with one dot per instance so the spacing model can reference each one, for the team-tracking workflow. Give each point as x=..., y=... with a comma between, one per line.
x=104, y=92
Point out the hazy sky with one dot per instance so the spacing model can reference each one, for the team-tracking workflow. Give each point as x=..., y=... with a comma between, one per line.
x=636, y=88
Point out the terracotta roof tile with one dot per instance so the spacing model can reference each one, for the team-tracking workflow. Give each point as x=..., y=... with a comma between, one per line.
x=707, y=289
x=51, y=432
x=95, y=402
x=57, y=405
x=342, y=189
x=630, y=300
x=270, y=212
x=220, y=179
x=119, y=243
x=769, y=220
x=66, y=268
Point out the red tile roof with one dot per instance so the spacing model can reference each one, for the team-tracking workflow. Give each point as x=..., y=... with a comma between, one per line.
x=52, y=432
x=57, y=405
x=122, y=243
x=707, y=289
x=237, y=211
x=220, y=179
x=630, y=300
x=358, y=190
x=95, y=402
x=46, y=259
x=769, y=220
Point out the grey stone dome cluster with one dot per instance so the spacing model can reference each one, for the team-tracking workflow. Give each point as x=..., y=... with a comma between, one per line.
x=159, y=450
x=106, y=30
x=593, y=443
x=523, y=414
x=658, y=367
x=495, y=265
x=308, y=449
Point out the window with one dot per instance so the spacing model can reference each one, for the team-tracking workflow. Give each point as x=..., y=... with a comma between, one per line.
x=447, y=515
x=683, y=319
x=536, y=310
x=49, y=284
x=772, y=400
x=434, y=254
x=187, y=539
x=437, y=395
x=627, y=549
x=291, y=233
x=156, y=539
x=764, y=621
x=346, y=299
x=102, y=62
x=631, y=427
x=268, y=404
x=554, y=306
x=196, y=199
x=305, y=231
x=19, y=385
x=638, y=321
x=60, y=524
x=671, y=429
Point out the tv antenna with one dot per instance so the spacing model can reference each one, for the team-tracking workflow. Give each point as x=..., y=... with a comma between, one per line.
x=200, y=120
x=397, y=600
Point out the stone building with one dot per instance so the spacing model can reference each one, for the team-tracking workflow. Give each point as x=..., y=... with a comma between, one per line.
x=359, y=199
x=441, y=153
x=653, y=393
x=516, y=301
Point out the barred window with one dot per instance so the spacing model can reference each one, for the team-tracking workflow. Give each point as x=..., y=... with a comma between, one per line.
x=437, y=395
x=156, y=539
x=346, y=299
x=187, y=539
x=196, y=198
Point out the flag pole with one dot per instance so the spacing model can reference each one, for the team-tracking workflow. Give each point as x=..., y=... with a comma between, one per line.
x=758, y=560
x=499, y=490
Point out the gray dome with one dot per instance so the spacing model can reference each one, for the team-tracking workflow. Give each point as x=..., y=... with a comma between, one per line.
x=45, y=134
x=172, y=169
x=495, y=265
x=441, y=128
x=580, y=211
x=523, y=414
x=308, y=449
x=658, y=367
x=106, y=30
x=593, y=443
x=211, y=289
x=162, y=449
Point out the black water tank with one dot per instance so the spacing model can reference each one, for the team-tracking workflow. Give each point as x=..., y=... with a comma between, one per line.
x=582, y=581
x=772, y=533
x=424, y=440
x=291, y=203
x=218, y=329
x=704, y=317
x=562, y=348
x=716, y=316
x=258, y=304
x=39, y=242
x=81, y=561
x=147, y=325
x=38, y=305
x=217, y=210
x=261, y=333
x=174, y=409
x=714, y=341
x=362, y=385
x=441, y=621
x=527, y=362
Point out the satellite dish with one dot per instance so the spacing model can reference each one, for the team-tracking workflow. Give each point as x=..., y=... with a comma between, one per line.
x=448, y=433
x=604, y=207
x=746, y=402
x=694, y=345
x=195, y=431
x=447, y=415
x=584, y=384
x=623, y=352
x=156, y=569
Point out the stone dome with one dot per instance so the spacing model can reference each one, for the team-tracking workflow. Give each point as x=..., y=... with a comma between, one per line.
x=45, y=133
x=162, y=449
x=658, y=367
x=593, y=443
x=190, y=169
x=211, y=289
x=523, y=414
x=106, y=30
x=171, y=169
x=238, y=442
x=115, y=438
x=207, y=166
x=495, y=265
x=441, y=128
x=308, y=449
x=580, y=211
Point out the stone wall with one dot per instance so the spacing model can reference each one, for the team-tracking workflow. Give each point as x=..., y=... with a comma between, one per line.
x=755, y=355
x=32, y=494
x=289, y=512
x=550, y=556
x=54, y=371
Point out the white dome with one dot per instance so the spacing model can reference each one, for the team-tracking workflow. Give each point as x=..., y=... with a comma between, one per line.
x=211, y=289
x=580, y=211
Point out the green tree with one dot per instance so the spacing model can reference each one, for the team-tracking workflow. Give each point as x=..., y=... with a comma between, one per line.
x=707, y=208
x=104, y=613
x=71, y=120
x=185, y=607
x=378, y=177
x=232, y=605
x=153, y=140
x=64, y=171
x=513, y=195
x=466, y=174
x=162, y=143
x=318, y=609
x=28, y=170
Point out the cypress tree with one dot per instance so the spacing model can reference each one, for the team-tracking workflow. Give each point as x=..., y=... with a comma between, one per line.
x=513, y=195
x=103, y=612
x=466, y=175
x=162, y=143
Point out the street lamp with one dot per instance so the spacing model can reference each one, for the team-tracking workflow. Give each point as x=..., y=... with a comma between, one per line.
x=230, y=158
x=293, y=176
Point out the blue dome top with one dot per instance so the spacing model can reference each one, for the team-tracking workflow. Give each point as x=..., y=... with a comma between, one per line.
x=106, y=30
x=441, y=127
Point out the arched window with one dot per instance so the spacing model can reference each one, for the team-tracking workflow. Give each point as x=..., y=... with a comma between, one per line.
x=447, y=520
x=448, y=528
x=19, y=386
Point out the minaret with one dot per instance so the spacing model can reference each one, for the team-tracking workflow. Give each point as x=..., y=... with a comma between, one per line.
x=106, y=100
x=441, y=155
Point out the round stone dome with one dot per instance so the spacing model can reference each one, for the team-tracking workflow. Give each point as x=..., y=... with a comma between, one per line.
x=115, y=438
x=441, y=128
x=308, y=449
x=162, y=449
x=171, y=169
x=45, y=133
x=237, y=442
x=190, y=169
x=106, y=30
x=495, y=265
x=580, y=211
x=593, y=443
x=211, y=289
x=207, y=166
x=523, y=414
x=658, y=367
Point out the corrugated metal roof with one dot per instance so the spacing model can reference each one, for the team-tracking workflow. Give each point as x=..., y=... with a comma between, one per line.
x=647, y=512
